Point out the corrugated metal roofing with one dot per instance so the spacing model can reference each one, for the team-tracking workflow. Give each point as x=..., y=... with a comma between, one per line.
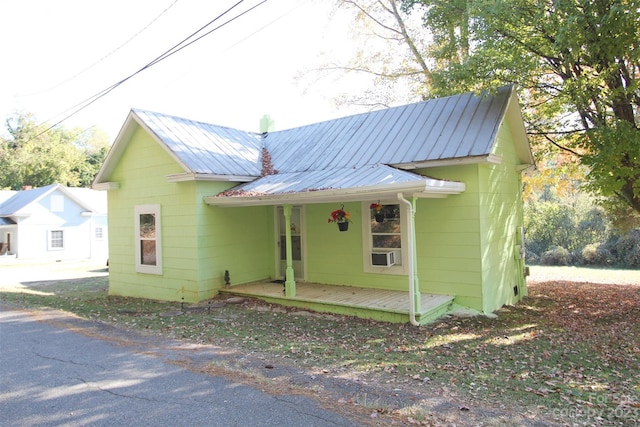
x=205, y=148
x=342, y=153
x=446, y=128
x=329, y=179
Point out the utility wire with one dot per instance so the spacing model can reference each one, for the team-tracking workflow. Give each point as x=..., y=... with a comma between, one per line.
x=176, y=48
x=104, y=57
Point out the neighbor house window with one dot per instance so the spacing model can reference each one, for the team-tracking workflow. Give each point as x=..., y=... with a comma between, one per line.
x=384, y=234
x=148, y=247
x=99, y=233
x=56, y=240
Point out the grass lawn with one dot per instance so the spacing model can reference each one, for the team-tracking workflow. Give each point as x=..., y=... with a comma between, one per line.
x=569, y=353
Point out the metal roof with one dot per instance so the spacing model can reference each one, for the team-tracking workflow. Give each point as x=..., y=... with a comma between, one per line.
x=446, y=128
x=205, y=148
x=331, y=179
x=360, y=183
x=343, y=153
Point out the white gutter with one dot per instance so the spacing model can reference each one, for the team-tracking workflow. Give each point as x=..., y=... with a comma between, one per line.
x=412, y=248
x=423, y=188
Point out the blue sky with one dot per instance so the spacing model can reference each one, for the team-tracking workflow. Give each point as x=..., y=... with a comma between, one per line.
x=57, y=54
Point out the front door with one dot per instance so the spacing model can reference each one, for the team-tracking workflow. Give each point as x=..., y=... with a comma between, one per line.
x=296, y=243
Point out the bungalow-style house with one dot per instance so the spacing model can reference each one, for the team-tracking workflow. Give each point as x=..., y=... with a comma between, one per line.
x=431, y=192
x=53, y=223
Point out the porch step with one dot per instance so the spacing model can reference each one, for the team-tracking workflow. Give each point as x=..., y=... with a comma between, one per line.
x=437, y=307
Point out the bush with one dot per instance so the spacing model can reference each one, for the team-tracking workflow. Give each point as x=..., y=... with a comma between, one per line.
x=532, y=257
x=596, y=254
x=626, y=249
x=556, y=256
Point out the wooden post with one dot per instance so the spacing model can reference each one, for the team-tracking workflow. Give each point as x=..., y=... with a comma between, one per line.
x=289, y=283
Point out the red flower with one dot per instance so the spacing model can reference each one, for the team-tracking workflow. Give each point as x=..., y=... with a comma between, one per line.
x=339, y=215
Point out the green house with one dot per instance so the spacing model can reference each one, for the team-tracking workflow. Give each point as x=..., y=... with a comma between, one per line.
x=432, y=191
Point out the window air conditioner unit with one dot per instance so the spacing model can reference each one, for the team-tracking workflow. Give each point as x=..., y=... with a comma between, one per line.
x=383, y=259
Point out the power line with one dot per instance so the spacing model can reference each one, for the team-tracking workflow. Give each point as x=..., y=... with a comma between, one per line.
x=105, y=56
x=171, y=51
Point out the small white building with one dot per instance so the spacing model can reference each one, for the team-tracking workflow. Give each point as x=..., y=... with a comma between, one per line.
x=54, y=223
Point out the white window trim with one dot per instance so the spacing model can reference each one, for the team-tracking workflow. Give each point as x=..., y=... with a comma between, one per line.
x=367, y=240
x=50, y=240
x=142, y=268
x=95, y=233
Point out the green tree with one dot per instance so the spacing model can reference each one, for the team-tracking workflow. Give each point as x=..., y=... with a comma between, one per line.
x=31, y=155
x=577, y=63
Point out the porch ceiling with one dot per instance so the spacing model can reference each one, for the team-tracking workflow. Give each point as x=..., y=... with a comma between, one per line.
x=346, y=184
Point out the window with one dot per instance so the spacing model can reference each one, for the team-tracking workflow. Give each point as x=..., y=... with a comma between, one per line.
x=99, y=233
x=148, y=246
x=384, y=234
x=56, y=240
x=386, y=228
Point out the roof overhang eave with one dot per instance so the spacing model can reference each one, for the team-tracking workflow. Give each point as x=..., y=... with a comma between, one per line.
x=429, y=189
x=189, y=176
x=486, y=158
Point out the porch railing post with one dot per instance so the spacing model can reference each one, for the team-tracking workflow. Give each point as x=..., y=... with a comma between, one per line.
x=289, y=283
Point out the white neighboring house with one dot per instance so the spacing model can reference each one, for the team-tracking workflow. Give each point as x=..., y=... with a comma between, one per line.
x=54, y=223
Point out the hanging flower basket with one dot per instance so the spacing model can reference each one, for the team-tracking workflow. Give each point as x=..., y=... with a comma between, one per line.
x=377, y=211
x=340, y=217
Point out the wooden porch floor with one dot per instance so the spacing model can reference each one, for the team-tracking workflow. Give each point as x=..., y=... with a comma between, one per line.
x=377, y=304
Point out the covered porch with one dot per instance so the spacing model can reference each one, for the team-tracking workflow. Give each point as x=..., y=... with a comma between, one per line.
x=346, y=185
x=378, y=304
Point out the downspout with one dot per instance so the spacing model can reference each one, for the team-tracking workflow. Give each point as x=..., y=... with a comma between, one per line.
x=412, y=252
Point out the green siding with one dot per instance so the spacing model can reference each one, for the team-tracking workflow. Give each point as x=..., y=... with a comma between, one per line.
x=199, y=242
x=501, y=207
x=335, y=257
x=448, y=243
x=465, y=243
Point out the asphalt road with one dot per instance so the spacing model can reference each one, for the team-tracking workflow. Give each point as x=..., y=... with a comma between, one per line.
x=53, y=373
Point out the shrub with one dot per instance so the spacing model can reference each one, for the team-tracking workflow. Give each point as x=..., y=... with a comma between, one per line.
x=626, y=249
x=532, y=257
x=597, y=254
x=555, y=256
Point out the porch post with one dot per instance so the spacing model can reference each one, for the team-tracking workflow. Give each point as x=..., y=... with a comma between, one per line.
x=415, y=256
x=289, y=283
